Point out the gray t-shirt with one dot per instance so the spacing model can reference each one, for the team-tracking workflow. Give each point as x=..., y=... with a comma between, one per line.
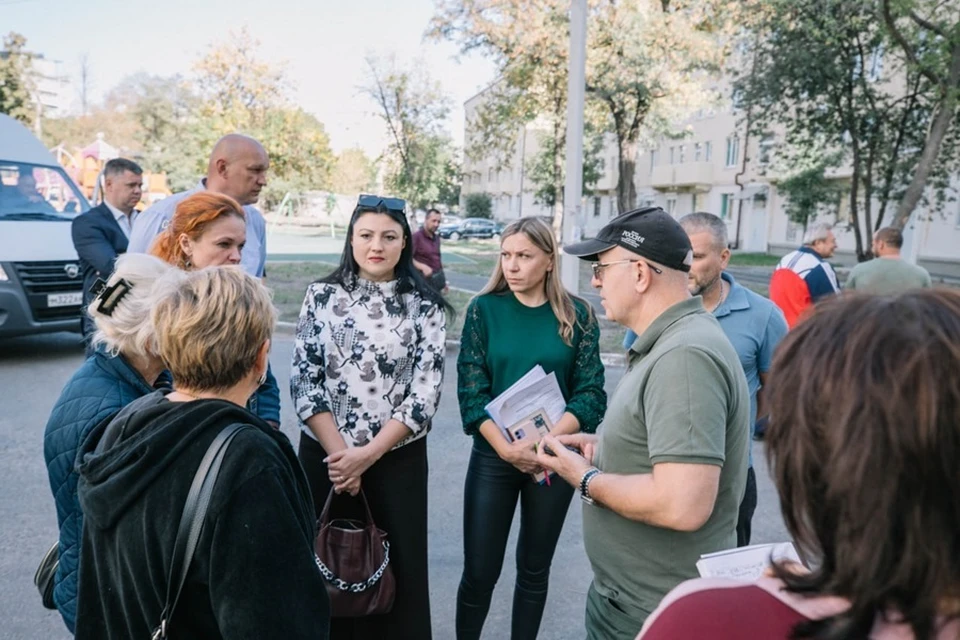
x=887, y=276
x=683, y=398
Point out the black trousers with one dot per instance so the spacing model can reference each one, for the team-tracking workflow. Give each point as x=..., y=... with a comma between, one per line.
x=490, y=499
x=747, y=506
x=396, y=488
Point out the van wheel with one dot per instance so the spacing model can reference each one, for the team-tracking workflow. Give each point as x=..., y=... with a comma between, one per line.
x=454, y=236
x=496, y=237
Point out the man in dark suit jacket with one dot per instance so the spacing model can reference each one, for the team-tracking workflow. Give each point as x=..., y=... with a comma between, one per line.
x=101, y=234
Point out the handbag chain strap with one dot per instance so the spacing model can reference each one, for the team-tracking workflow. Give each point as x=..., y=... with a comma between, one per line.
x=356, y=587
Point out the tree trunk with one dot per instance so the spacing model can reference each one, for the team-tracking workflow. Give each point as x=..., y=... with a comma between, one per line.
x=626, y=187
x=945, y=114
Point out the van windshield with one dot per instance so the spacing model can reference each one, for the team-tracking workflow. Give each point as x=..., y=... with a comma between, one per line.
x=29, y=191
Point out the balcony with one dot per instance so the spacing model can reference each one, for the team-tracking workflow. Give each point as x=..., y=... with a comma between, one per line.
x=689, y=176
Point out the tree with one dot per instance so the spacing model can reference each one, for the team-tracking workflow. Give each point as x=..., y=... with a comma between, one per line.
x=353, y=173
x=239, y=92
x=817, y=69
x=643, y=66
x=162, y=110
x=16, y=88
x=448, y=191
x=478, y=205
x=930, y=40
x=809, y=192
x=413, y=109
x=549, y=176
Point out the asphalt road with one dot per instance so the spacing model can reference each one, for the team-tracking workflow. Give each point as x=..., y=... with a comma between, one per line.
x=32, y=372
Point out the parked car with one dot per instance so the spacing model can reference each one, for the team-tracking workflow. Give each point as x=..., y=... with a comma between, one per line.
x=41, y=289
x=471, y=228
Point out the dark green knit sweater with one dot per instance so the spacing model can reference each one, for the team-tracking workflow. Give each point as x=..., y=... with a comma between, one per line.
x=503, y=339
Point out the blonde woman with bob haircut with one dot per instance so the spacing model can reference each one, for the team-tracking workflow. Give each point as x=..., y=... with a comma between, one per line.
x=253, y=574
x=522, y=318
x=124, y=366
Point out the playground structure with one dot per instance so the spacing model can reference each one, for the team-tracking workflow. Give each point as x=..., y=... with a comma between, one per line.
x=85, y=166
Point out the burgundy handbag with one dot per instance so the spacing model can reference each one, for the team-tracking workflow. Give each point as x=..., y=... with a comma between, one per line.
x=354, y=558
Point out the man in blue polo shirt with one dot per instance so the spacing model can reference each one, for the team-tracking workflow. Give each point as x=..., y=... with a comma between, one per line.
x=754, y=325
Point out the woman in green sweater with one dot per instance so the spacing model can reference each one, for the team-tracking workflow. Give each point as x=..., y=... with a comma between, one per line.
x=522, y=318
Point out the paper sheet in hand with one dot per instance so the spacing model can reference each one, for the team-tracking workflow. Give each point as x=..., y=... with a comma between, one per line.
x=544, y=394
x=745, y=563
x=493, y=407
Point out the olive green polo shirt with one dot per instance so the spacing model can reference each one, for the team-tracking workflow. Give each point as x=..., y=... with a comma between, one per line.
x=683, y=398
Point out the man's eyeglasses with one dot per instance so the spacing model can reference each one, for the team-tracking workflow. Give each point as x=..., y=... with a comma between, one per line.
x=374, y=202
x=598, y=267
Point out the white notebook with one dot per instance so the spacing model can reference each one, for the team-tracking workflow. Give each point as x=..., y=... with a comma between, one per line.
x=745, y=563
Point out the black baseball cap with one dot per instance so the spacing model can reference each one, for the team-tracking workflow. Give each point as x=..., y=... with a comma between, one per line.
x=650, y=232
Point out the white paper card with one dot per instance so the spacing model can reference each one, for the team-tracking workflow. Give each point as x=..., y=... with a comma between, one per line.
x=745, y=563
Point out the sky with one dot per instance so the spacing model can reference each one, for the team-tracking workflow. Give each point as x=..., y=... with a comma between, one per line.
x=323, y=43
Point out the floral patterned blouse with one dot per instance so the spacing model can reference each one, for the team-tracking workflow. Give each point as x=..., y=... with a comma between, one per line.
x=368, y=354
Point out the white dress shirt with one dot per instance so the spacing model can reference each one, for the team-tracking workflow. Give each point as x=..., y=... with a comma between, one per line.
x=125, y=221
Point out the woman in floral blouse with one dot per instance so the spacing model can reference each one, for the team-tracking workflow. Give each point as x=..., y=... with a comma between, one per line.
x=522, y=318
x=366, y=380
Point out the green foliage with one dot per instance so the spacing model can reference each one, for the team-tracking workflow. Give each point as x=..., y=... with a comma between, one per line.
x=15, y=84
x=549, y=175
x=644, y=67
x=809, y=193
x=172, y=127
x=413, y=109
x=826, y=72
x=478, y=205
x=353, y=173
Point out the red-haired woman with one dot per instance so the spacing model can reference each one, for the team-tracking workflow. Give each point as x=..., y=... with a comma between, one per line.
x=209, y=230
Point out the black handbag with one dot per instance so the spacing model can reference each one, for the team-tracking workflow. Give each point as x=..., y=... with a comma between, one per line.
x=43, y=578
x=354, y=558
x=191, y=523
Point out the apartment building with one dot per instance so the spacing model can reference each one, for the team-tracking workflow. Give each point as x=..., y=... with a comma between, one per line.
x=715, y=167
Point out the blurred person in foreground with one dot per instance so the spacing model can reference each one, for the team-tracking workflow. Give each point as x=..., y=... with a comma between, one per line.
x=253, y=574
x=863, y=444
x=124, y=366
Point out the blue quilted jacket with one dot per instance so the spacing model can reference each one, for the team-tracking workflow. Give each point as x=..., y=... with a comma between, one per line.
x=100, y=388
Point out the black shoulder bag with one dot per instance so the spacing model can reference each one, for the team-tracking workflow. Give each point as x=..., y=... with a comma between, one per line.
x=191, y=523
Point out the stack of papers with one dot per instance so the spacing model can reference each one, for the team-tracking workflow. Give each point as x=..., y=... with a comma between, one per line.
x=745, y=563
x=535, y=391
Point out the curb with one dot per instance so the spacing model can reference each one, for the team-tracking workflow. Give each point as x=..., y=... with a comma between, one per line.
x=617, y=360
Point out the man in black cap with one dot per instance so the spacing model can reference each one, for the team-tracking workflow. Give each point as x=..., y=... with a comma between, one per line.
x=664, y=478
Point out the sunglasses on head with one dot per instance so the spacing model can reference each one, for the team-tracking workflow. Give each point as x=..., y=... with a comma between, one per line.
x=374, y=202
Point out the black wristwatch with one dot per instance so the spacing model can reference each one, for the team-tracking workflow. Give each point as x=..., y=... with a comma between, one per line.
x=585, y=479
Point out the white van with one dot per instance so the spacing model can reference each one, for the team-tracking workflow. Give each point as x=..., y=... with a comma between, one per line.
x=41, y=288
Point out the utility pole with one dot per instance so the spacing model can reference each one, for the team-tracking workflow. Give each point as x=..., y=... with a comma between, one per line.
x=573, y=188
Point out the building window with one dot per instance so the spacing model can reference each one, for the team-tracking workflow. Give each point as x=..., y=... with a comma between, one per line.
x=697, y=152
x=733, y=150
x=683, y=153
x=766, y=149
x=671, y=205
x=707, y=151
x=726, y=203
x=654, y=158
x=596, y=206
x=673, y=155
x=490, y=174
x=613, y=207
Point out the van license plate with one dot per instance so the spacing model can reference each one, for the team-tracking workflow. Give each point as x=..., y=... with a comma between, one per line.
x=64, y=299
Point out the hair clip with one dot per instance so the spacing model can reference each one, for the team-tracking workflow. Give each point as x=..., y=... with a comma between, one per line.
x=111, y=296
x=97, y=287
